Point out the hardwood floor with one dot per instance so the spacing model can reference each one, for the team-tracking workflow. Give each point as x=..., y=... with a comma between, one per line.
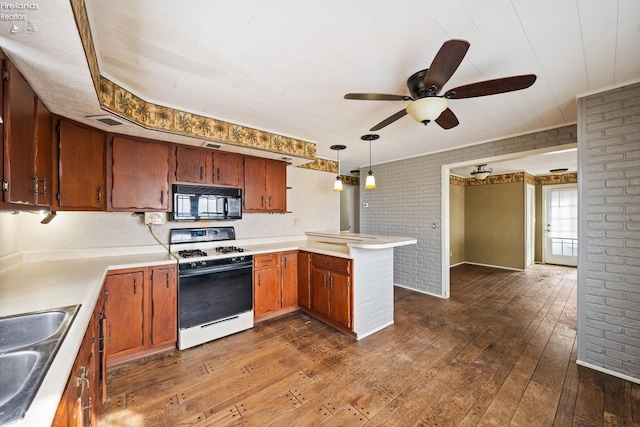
x=501, y=351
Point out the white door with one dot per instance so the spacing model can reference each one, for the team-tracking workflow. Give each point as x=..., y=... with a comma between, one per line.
x=530, y=225
x=561, y=224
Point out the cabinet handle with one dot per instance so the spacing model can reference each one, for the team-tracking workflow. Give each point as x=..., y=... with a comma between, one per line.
x=331, y=281
x=135, y=286
x=44, y=186
x=162, y=197
x=99, y=194
x=218, y=174
x=35, y=184
x=259, y=279
x=324, y=280
x=262, y=201
x=82, y=378
x=328, y=263
x=167, y=280
x=269, y=201
x=285, y=263
x=201, y=173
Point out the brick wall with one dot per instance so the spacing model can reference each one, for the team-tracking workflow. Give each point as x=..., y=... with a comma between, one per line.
x=407, y=202
x=609, y=230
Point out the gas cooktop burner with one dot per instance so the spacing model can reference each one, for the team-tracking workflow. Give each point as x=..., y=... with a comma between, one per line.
x=191, y=253
x=228, y=249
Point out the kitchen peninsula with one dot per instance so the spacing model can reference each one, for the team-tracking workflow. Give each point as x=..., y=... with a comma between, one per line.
x=41, y=281
x=371, y=270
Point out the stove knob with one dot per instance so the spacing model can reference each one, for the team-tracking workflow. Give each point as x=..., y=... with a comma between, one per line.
x=193, y=265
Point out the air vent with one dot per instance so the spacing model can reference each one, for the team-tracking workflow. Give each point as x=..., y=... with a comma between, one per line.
x=107, y=119
x=211, y=145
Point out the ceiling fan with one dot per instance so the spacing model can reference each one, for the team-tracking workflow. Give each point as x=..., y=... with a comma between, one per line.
x=424, y=86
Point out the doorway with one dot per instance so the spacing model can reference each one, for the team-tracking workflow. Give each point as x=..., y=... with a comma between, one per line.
x=560, y=224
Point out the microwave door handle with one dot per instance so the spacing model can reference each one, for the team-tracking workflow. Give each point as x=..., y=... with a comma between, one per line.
x=226, y=207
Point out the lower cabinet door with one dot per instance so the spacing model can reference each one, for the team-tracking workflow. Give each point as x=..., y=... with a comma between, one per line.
x=124, y=313
x=340, y=299
x=163, y=306
x=321, y=291
x=266, y=286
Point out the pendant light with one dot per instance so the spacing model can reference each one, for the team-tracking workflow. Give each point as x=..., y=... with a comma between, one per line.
x=337, y=186
x=370, y=183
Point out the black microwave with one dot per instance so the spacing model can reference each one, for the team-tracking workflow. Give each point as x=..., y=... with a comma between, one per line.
x=199, y=202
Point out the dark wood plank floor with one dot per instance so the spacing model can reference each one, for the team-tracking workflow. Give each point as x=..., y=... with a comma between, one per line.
x=501, y=351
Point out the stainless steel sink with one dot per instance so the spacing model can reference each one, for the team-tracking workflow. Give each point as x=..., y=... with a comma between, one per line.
x=28, y=344
x=21, y=331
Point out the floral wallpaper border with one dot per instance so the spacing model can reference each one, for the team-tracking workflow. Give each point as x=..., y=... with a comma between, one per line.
x=125, y=104
x=567, y=178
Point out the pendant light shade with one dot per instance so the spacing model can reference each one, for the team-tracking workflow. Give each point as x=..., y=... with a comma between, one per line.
x=370, y=183
x=337, y=186
x=427, y=109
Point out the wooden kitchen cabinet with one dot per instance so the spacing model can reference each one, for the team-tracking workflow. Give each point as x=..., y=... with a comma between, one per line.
x=203, y=166
x=164, y=328
x=289, y=279
x=275, y=284
x=265, y=185
x=227, y=169
x=80, y=179
x=26, y=144
x=304, y=279
x=266, y=284
x=80, y=399
x=141, y=312
x=125, y=310
x=138, y=171
x=331, y=288
x=192, y=164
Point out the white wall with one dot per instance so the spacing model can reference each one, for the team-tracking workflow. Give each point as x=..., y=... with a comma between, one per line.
x=311, y=200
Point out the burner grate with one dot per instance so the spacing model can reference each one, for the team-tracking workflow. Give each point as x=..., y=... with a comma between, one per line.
x=191, y=253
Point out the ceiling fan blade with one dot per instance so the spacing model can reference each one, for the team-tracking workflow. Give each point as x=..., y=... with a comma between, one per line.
x=377, y=97
x=447, y=119
x=445, y=63
x=389, y=120
x=491, y=87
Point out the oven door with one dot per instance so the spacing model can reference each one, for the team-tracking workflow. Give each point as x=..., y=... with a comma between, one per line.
x=208, y=295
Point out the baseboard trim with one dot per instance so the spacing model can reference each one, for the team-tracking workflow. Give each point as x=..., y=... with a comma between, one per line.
x=493, y=266
x=608, y=371
x=419, y=291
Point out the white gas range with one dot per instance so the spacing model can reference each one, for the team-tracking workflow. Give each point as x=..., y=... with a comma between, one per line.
x=215, y=284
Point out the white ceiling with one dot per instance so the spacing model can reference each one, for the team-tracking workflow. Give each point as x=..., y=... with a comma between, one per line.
x=285, y=65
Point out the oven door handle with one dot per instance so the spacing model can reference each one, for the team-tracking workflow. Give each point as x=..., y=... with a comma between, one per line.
x=216, y=269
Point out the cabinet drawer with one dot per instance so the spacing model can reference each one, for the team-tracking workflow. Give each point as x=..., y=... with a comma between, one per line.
x=339, y=265
x=267, y=260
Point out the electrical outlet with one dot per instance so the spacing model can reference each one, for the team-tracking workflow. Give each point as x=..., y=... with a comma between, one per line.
x=155, y=218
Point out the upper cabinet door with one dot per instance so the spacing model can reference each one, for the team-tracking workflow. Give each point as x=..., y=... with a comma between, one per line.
x=192, y=164
x=139, y=175
x=81, y=168
x=227, y=169
x=254, y=184
x=276, y=186
x=20, y=181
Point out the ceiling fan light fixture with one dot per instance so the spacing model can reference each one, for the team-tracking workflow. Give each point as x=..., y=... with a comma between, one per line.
x=428, y=108
x=481, y=173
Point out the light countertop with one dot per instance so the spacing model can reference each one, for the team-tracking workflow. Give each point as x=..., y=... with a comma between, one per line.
x=62, y=278
x=36, y=286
